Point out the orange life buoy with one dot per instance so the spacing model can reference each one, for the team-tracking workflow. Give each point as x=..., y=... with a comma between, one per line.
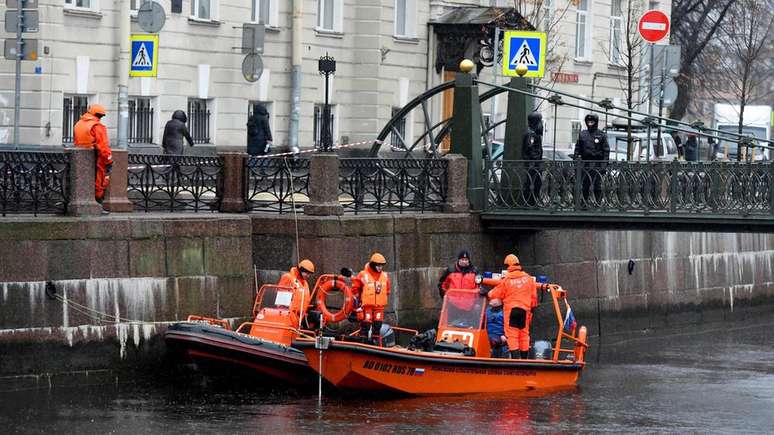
x=324, y=289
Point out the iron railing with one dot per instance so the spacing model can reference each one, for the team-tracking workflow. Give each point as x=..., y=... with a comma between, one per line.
x=174, y=183
x=72, y=108
x=140, y=121
x=392, y=185
x=33, y=182
x=276, y=184
x=672, y=188
x=199, y=120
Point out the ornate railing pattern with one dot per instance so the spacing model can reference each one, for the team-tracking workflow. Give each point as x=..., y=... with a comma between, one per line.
x=33, y=182
x=677, y=188
x=174, y=183
x=275, y=184
x=392, y=185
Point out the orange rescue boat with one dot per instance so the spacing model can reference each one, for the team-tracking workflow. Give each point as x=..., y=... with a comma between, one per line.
x=459, y=361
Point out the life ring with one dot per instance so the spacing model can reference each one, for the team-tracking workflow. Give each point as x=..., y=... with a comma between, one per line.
x=324, y=289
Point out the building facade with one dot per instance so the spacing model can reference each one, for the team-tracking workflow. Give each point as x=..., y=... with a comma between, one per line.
x=385, y=52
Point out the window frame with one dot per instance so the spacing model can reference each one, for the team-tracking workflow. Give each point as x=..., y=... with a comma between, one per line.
x=616, y=26
x=549, y=9
x=75, y=116
x=336, y=16
x=93, y=5
x=272, y=21
x=586, y=56
x=213, y=16
x=409, y=19
x=208, y=128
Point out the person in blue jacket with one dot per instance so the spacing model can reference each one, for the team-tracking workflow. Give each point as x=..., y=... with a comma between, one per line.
x=494, y=328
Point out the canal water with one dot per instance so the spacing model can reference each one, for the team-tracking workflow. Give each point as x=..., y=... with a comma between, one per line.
x=716, y=379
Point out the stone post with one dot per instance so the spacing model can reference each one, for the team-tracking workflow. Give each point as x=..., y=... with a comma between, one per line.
x=81, y=179
x=115, y=195
x=324, y=186
x=456, y=184
x=466, y=131
x=233, y=200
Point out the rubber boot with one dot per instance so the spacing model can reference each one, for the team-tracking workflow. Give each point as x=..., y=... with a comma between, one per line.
x=524, y=354
x=515, y=354
x=365, y=328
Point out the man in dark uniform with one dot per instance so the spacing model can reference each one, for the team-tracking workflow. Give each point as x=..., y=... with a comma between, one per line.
x=533, y=150
x=592, y=146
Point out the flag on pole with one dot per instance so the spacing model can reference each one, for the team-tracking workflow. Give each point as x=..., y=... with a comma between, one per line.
x=569, y=318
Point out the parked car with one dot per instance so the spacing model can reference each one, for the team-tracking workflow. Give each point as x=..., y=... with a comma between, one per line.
x=617, y=138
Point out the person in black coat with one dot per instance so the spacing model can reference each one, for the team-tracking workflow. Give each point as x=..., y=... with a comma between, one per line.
x=533, y=150
x=592, y=145
x=679, y=144
x=692, y=148
x=259, y=138
x=174, y=133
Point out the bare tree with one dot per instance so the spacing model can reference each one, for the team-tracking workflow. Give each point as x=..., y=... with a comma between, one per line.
x=694, y=24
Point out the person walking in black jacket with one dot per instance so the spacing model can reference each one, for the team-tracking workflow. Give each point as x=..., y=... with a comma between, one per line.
x=592, y=145
x=533, y=150
x=259, y=138
x=174, y=133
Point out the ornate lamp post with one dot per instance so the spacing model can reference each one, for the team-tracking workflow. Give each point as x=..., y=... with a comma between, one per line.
x=327, y=67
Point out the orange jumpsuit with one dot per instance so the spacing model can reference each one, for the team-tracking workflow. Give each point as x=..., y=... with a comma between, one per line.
x=517, y=290
x=373, y=290
x=89, y=132
x=302, y=295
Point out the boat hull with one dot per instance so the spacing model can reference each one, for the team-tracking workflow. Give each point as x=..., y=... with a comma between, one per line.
x=220, y=351
x=354, y=366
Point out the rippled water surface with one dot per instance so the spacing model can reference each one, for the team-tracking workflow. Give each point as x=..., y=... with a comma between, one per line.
x=719, y=379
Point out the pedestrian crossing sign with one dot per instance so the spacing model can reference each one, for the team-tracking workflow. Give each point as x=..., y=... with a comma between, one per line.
x=524, y=48
x=144, y=56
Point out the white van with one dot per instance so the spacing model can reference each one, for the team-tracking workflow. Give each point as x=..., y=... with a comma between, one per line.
x=665, y=150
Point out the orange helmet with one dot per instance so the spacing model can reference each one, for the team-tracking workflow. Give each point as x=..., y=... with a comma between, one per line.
x=97, y=109
x=306, y=265
x=378, y=258
x=511, y=260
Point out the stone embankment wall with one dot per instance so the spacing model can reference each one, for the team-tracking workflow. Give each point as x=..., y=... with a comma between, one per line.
x=149, y=270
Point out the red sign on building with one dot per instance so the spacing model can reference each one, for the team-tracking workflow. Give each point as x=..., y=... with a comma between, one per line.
x=562, y=77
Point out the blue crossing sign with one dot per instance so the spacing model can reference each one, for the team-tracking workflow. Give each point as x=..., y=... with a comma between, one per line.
x=145, y=55
x=524, y=48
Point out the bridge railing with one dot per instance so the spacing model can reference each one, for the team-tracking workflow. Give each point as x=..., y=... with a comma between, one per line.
x=674, y=188
x=34, y=182
x=174, y=183
x=370, y=185
x=276, y=184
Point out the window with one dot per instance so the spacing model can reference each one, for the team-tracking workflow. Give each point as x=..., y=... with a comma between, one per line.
x=405, y=18
x=548, y=14
x=74, y=106
x=262, y=10
x=398, y=133
x=201, y=9
x=140, y=120
x=582, y=31
x=199, y=120
x=329, y=15
x=134, y=5
x=317, y=126
x=653, y=4
x=576, y=129
x=85, y=4
x=616, y=32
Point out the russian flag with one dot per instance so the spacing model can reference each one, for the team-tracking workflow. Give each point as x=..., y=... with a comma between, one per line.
x=569, y=319
x=419, y=372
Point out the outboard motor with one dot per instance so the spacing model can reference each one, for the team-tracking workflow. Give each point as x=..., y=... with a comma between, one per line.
x=423, y=341
x=388, y=335
x=542, y=350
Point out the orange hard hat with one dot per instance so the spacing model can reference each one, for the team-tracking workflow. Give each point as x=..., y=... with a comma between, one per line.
x=378, y=258
x=97, y=109
x=306, y=265
x=511, y=260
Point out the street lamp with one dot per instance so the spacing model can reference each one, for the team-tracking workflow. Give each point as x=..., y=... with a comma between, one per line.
x=326, y=67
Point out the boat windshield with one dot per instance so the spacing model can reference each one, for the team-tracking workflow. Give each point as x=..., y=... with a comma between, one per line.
x=462, y=309
x=276, y=297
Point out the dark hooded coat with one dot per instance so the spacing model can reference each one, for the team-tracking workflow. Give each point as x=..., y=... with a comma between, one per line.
x=592, y=143
x=533, y=138
x=258, y=131
x=174, y=133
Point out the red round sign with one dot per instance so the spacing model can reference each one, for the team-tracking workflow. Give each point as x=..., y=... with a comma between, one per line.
x=654, y=26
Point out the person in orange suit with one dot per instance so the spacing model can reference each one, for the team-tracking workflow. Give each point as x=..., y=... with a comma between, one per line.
x=371, y=288
x=90, y=132
x=518, y=291
x=298, y=279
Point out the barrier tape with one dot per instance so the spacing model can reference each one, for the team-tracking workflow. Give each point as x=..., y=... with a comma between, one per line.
x=312, y=150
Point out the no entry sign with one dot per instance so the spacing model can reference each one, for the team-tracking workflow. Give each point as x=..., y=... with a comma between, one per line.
x=654, y=26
